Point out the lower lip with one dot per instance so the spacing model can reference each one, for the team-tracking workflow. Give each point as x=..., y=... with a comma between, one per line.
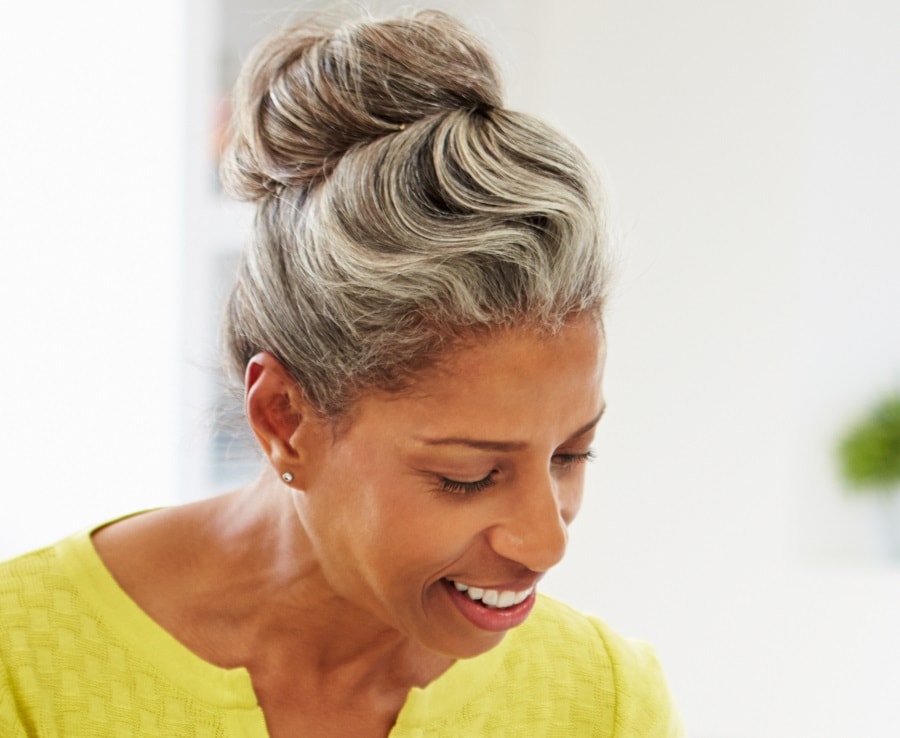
x=490, y=618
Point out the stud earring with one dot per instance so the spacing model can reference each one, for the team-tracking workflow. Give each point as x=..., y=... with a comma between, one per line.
x=287, y=477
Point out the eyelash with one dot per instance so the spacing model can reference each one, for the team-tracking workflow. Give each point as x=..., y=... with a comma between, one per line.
x=466, y=488
x=568, y=460
x=565, y=461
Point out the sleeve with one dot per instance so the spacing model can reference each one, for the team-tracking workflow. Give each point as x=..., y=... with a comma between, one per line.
x=644, y=706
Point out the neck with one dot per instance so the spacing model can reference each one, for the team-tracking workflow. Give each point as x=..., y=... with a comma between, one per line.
x=263, y=601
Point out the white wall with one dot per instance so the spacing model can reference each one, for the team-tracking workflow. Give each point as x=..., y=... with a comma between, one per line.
x=752, y=157
x=90, y=144
x=847, y=309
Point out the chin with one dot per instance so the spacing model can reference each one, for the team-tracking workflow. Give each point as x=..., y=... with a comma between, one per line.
x=463, y=645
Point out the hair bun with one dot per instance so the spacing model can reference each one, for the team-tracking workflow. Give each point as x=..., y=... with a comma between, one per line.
x=309, y=94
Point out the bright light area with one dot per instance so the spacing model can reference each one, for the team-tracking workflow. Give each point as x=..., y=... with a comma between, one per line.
x=91, y=229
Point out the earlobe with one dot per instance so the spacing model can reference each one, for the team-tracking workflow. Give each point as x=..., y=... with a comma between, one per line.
x=276, y=409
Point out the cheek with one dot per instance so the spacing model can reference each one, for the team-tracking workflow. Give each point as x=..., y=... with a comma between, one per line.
x=386, y=522
x=423, y=543
x=425, y=535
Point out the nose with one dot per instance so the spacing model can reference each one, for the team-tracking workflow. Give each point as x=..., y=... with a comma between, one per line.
x=534, y=529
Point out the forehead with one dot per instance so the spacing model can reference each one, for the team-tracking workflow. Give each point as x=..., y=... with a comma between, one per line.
x=521, y=351
x=505, y=381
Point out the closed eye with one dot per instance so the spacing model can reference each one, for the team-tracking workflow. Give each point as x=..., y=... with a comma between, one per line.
x=568, y=460
x=456, y=487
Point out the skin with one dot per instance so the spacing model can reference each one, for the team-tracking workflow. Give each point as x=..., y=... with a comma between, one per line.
x=331, y=590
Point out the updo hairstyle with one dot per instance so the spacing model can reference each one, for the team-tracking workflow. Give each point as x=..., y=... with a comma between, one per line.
x=400, y=207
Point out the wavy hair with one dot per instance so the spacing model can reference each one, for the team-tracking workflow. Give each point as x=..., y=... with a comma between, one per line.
x=400, y=206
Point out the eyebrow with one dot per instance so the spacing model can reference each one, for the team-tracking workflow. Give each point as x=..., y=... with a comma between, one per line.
x=487, y=445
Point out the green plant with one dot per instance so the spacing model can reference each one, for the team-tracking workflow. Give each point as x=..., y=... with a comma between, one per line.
x=870, y=450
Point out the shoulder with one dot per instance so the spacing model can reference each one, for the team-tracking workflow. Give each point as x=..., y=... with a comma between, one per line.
x=559, y=674
x=69, y=631
x=27, y=580
x=34, y=592
x=580, y=640
x=39, y=599
x=589, y=659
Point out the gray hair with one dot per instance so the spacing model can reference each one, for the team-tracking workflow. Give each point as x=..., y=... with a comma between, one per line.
x=400, y=207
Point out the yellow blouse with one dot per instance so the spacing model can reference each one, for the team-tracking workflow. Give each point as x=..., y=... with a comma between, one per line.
x=79, y=658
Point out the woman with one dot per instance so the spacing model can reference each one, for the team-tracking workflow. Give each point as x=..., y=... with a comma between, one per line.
x=417, y=321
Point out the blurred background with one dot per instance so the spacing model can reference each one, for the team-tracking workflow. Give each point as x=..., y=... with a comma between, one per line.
x=751, y=157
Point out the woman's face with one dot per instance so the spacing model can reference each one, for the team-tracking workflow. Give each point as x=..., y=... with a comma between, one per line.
x=468, y=480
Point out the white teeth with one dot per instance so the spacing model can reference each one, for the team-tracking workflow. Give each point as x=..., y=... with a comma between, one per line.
x=506, y=598
x=522, y=596
x=494, y=598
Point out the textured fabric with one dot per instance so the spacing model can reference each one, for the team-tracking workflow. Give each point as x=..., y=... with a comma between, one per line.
x=79, y=658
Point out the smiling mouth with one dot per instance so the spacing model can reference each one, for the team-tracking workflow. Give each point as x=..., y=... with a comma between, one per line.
x=493, y=598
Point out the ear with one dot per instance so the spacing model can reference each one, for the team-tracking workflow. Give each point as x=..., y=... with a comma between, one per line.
x=280, y=415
